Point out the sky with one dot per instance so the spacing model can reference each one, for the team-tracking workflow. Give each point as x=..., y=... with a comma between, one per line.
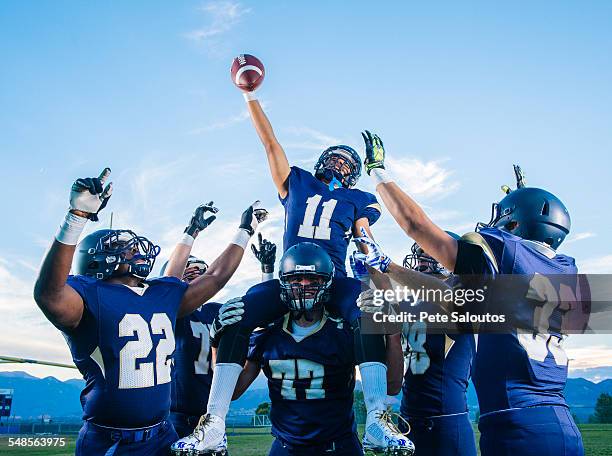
x=458, y=91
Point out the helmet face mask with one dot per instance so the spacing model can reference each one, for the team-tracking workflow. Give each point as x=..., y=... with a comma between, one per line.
x=194, y=269
x=305, y=291
x=306, y=273
x=341, y=162
x=418, y=260
x=102, y=254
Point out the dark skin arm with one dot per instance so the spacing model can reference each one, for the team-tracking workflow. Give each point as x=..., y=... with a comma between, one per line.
x=60, y=303
x=247, y=376
x=217, y=275
x=395, y=364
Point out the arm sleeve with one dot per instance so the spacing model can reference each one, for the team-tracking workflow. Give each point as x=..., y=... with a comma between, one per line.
x=472, y=259
x=86, y=288
x=369, y=208
x=256, y=346
x=293, y=180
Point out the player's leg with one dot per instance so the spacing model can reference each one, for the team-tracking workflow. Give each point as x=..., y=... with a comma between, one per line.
x=441, y=436
x=370, y=355
x=262, y=305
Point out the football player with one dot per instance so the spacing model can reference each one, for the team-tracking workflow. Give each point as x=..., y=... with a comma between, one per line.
x=193, y=357
x=118, y=325
x=308, y=358
x=434, y=399
x=263, y=304
x=519, y=376
x=192, y=372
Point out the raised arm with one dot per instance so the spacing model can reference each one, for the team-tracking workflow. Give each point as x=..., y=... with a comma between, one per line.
x=199, y=221
x=266, y=255
x=277, y=160
x=221, y=270
x=60, y=303
x=406, y=212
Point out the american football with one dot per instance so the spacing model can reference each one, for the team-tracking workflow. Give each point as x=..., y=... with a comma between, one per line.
x=320, y=266
x=247, y=72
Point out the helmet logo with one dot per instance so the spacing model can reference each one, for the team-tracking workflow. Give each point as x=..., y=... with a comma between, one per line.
x=308, y=267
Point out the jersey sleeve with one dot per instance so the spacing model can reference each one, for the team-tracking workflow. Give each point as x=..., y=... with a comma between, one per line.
x=296, y=176
x=86, y=288
x=474, y=256
x=256, y=345
x=368, y=207
x=173, y=291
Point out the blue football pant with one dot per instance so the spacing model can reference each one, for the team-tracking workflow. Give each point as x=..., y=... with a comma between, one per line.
x=183, y=424
x=349, y=446
x=94, y=441
x=442, y=436
x=534, y=431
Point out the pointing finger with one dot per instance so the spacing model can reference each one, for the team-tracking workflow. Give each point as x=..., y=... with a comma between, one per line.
x=104, y=175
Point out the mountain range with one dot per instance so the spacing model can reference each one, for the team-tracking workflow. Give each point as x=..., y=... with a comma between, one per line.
x=34, y=397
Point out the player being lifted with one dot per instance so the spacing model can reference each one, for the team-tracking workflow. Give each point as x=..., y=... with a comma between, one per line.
x=519, y=376
x=309, y=360
x=118, y=325
x=193, y=361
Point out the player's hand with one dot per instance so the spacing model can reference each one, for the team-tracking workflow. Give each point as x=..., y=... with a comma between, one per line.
x=88, y=196
x=371, y=301
x=266, y=254
x=374, y=151
x=252, y=217
x=360, y=272
x=199, y=221
x=375, y=258
x=229, y=313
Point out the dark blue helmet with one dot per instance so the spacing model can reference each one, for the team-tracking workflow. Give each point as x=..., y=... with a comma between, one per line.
x=420, y=261
x=341, y=162
x=305, y=260
x=100, y=254
x=530, y=213
x=193, y=269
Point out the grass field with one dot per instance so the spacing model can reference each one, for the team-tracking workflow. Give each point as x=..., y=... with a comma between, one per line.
x=255, y=442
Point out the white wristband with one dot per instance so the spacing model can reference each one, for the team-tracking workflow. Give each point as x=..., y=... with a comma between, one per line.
x=265, y=276
x=70, y=230
x=249, y=96
x=241, y=238
x=188, y=240
x=380, y=176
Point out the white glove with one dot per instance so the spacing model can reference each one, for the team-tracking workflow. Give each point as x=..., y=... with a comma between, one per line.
x=89, y=194
x=229, y=313
x=375, y=257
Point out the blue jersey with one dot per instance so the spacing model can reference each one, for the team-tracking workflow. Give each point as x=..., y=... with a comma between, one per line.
x=192, y=373
x=438, y=371
x=310, y=382
x=518, y=369
x=123, y=347
x=314, y=213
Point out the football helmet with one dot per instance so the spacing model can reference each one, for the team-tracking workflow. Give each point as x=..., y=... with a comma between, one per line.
x=99, y=254
x=530, y=213
x=193, y=269
x=305, y=260
x=420, y=261
x=340, y=162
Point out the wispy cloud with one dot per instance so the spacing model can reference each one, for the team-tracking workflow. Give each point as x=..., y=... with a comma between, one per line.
x=589, y=357
x=222, y=17
x=309, y=139
x=221, y=124
x=596, y=265
x=579, y=237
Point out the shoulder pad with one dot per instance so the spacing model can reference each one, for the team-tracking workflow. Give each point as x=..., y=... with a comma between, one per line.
x=477, y=239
